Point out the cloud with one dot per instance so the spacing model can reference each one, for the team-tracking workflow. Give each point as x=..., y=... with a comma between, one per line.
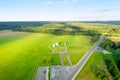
x=104, y=10
x=63, y=2
x=50, y=3
x=79, y=0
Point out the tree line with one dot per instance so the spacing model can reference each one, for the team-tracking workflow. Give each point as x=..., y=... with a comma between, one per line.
x=113, y=65
x=18, y=25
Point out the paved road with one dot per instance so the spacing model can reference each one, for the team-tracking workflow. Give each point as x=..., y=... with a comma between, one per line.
x=42, y=73
x=82, y=62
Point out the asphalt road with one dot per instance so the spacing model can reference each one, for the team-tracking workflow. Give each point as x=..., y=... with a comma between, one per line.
x=82, y=62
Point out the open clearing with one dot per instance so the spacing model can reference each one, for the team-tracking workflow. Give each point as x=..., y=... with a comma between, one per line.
x=21, y=54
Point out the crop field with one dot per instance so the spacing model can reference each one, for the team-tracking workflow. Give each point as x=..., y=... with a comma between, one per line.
x=22, y=53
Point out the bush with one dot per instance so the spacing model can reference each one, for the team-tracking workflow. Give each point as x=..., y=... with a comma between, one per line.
x=112, y=68
x=99, y=73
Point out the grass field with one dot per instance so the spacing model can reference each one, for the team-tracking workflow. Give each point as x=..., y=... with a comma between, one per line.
x=96, y=59
x=21, y=53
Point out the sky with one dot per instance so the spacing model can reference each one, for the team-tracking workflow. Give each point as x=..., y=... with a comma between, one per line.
x=59, y=10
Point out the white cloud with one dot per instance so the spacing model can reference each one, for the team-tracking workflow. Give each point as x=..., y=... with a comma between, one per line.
x=50, y=3
x=79, y=0
x=63, y=2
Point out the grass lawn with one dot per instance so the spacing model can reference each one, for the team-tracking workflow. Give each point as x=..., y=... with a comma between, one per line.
x=96, y=59
x=22, y=53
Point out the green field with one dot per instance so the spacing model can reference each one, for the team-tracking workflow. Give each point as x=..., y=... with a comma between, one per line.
x=22, y=53
x=97, y=59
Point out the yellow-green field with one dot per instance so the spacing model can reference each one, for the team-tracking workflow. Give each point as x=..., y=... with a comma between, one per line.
x=21, y=53
x=115, y=39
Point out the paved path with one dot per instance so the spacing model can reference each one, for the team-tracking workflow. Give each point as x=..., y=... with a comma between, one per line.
x=42, y=73
x=82, y=62
x=68, y=58
x=103, y=50
x=61, y=59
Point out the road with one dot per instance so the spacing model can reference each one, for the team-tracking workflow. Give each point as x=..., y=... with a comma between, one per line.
x=82, y=62
x=42, y=73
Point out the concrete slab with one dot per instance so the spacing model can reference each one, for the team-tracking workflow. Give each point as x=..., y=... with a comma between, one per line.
x=42, y=73
x=60, y=72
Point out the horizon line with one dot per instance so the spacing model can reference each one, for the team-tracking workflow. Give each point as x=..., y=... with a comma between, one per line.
x=58, y=20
